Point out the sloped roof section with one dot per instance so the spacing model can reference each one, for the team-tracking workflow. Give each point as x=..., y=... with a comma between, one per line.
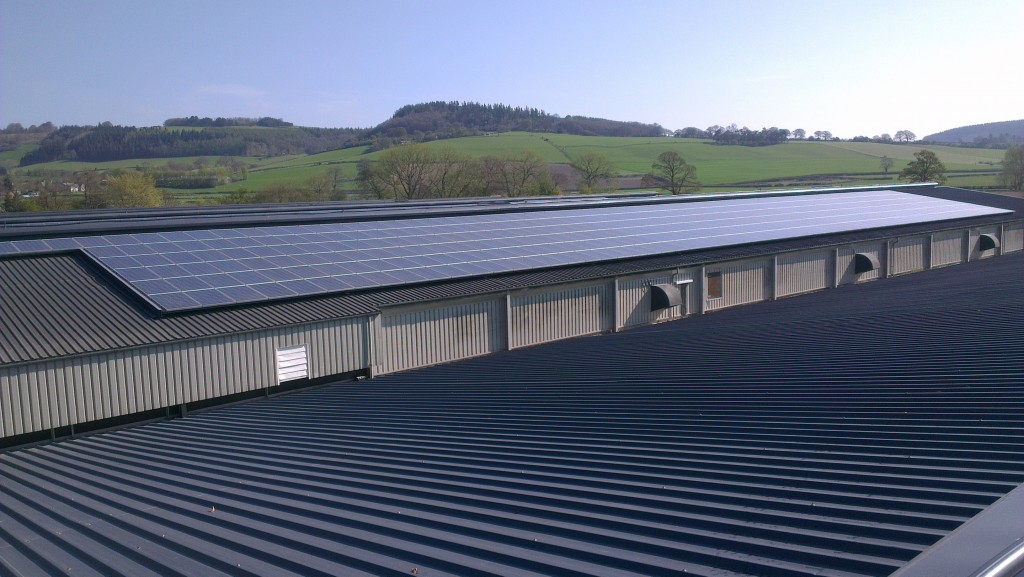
x=841, y=433
x=201, y=269
x=63, y=304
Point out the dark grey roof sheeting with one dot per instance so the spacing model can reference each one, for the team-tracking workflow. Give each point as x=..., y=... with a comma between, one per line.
x=63, y=305
x=839, y=433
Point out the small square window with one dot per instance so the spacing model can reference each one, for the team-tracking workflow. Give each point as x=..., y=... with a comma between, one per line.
x=715, y=289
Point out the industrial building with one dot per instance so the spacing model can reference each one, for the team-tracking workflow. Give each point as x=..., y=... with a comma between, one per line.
x=799, y=458
x=117, y=315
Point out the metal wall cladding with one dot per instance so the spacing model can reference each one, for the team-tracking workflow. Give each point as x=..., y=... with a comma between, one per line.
x=948, y=247
x=634, y=300
x=540, y=317
x=802, y=272
x=909, y=255
x=693, y=295
x=427, y=336
x=976, y=252
x=744, y=282
x=845, y=266
x=67, y=392
x=1013, y=237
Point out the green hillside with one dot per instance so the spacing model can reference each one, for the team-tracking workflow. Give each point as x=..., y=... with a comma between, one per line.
x=793, y=164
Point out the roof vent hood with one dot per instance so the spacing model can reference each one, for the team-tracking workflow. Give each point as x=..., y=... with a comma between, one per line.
x=664, y=296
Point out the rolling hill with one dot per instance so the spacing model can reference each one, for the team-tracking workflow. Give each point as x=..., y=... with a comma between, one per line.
x=721, y=168
x=227, y=161
x=988, y=134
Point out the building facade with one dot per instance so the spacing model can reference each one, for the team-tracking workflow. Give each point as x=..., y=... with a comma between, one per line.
x=80, y=354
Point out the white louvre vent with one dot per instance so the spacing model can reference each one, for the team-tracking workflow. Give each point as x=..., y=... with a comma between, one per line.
x=291, y=364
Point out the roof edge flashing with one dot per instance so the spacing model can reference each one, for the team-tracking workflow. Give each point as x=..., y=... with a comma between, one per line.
x=978, y=546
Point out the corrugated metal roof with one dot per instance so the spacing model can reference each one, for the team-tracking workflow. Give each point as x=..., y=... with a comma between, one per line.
x=63, y=305
x=840, y=433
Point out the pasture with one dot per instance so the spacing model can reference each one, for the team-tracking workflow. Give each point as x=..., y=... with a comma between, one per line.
x=793, y=164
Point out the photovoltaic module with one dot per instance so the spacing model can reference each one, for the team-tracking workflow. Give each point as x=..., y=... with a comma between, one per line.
x=194, y=269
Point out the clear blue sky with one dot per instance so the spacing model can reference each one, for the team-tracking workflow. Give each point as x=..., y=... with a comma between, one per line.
x=850, y=67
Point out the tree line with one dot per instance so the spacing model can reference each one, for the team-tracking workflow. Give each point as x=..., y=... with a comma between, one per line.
x=416, y=172
x=117, y=189
x=233, y=136
x=219, y=122
x=440, y=120
x=735, y=136
x=989, y=135
x=107, y=142
x=746, y=137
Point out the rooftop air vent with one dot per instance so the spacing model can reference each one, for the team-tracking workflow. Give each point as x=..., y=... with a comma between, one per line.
x=863, y=263
x=664, y=296
x=987, y=242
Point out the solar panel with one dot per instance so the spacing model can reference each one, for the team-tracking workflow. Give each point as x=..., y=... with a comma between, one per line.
x=194, y=269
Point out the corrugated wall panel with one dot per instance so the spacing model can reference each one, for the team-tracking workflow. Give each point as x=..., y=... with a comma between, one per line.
x=6, y=409
x=22, y=404
x=802, y=272
x=743, y=282
x=427, y=336
x=541, y=317
x=947, y=248
x=634, y=300
x=976, y=252
x=40, y=396
x=1013, y=237
x=57, y=395
x=909, y=254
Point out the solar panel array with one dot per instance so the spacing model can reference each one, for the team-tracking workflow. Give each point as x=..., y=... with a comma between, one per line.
x=184, y=270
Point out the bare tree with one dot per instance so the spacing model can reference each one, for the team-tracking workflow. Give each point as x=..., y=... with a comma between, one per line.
x=90, y=183
x=318, y=186
x=672, y=173
x=403, y=171
x=595, y=168
x=369, y=180
x=454, y=174
x=517, y=174
x=886, y=164
x=334, y=175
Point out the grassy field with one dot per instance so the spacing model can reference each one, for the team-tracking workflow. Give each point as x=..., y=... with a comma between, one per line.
x=794, y=164
x=10, y=158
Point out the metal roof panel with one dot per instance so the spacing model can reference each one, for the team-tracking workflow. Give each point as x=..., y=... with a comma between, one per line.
x=840, y=433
